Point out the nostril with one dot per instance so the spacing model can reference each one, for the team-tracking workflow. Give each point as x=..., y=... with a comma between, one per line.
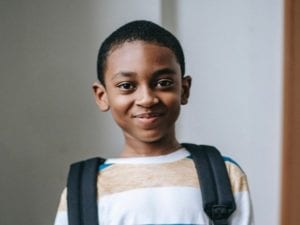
x=147, y=99
x=148, y=102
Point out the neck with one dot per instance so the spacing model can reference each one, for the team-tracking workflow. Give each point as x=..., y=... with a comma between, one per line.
x=137, y=149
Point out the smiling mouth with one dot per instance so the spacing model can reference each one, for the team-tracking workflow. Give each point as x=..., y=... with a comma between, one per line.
x=148, y=115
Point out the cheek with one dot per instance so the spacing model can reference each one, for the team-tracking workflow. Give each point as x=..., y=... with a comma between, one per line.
x=172, y=100
x=173, y=103
x=119, y=105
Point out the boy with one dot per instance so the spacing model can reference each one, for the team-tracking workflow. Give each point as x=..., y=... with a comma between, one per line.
x=141, y=81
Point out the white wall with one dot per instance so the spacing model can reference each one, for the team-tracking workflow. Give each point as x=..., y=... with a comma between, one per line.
x=49, y=119
x=234, y=54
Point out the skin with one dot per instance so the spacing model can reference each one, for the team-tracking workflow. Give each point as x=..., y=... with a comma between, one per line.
x=144, y=91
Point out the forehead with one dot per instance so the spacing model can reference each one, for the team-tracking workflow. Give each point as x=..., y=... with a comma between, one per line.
x=138, y=52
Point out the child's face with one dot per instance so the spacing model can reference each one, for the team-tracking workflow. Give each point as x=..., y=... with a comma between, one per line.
x=144, y=90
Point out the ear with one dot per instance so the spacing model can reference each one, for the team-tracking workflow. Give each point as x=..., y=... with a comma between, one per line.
x=101, y=96
x=185, y=89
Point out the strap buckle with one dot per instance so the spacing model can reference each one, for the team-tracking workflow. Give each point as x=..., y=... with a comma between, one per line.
x=220, y=214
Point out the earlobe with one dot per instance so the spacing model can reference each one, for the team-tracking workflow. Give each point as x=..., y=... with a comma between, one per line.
x=101, y=96
x=185, y=89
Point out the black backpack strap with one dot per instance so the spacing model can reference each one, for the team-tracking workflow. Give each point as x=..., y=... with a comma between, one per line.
x=82, y=192
x=218, y=200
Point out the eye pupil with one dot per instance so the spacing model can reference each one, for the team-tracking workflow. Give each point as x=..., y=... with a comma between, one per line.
x=126, y=86
x=165, y=83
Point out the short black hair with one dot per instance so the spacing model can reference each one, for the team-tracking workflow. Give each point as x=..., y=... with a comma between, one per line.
x=139, y=30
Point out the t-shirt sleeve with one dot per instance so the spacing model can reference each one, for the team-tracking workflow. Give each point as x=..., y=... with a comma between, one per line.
x=243, y=215
x=62, y=215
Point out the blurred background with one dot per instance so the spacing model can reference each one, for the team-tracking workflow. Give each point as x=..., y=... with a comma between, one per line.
x=48, y=50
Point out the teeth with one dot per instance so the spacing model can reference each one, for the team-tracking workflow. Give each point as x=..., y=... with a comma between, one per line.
x=148, y=115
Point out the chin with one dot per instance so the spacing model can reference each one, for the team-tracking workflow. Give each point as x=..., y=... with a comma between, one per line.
x=151, y=138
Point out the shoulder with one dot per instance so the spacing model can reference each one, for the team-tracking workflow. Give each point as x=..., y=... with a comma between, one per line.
x=237, y=176
x=63, y=200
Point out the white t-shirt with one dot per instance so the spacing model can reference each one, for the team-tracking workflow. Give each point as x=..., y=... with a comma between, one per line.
x=159, y=190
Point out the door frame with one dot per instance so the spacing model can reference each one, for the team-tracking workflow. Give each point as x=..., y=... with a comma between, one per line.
x=290, y=196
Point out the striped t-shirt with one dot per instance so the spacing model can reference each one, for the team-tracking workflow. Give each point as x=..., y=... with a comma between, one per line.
x=158, y=190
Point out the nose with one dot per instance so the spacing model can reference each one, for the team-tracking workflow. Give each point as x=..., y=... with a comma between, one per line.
x=146, y=97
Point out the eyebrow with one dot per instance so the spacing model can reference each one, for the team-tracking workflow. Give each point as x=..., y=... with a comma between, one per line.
x=164, y=71
x=123, y=74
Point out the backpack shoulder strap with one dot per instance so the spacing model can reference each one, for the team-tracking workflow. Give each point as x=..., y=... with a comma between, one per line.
x=218, y=200
x=82, y=192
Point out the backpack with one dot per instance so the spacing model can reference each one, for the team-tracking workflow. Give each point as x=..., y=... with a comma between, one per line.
x=217, y=198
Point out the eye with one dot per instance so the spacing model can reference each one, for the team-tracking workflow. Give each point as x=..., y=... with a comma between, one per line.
x=164, y=83
x=126, y=86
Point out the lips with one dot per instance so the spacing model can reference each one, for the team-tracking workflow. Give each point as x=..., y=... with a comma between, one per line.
x=148, y=115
